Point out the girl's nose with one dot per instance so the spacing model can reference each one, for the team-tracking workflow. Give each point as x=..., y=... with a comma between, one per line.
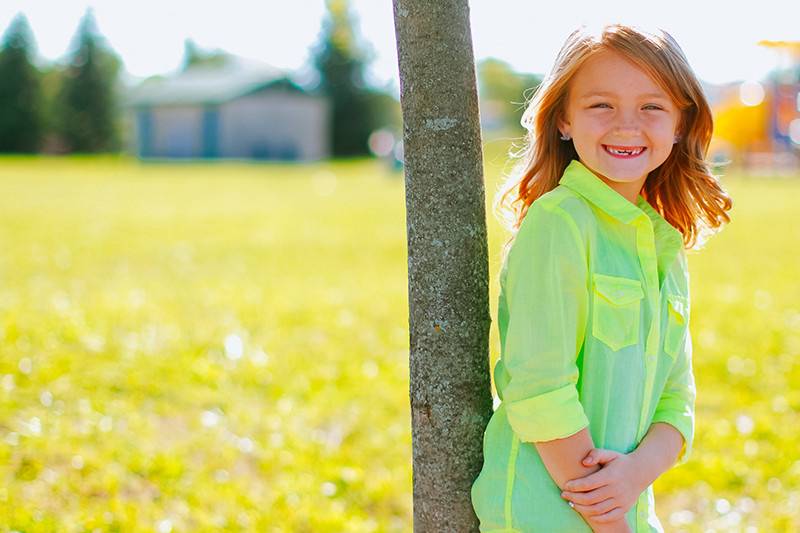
x=628, y=130
x=627, y=122
x=627, y=127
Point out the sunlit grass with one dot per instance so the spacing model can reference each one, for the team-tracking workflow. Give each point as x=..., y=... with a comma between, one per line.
x=224, y=347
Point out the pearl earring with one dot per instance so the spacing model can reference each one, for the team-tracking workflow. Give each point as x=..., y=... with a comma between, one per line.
x=565, y=137
x=676, y=139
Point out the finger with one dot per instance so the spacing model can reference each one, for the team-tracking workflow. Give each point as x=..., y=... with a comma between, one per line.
x=611, y=516
x=590, y=497
x=590, y=482
x=596, y=509
x=599, y=456
x=591, y=457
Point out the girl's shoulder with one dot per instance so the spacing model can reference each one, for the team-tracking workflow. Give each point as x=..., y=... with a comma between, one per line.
x=570, y=205
x=557, y=216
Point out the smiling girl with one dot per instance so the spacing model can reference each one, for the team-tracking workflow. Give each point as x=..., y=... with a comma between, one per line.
x=595, y=379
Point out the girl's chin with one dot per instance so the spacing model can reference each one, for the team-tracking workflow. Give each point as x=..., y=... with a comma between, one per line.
x=621, y=175
x=620, y=170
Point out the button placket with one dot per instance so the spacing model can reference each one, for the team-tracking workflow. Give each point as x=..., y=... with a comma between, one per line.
x=645, y=247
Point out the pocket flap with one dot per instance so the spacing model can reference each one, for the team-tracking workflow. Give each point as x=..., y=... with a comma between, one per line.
x=679, y=304
x=618, y=290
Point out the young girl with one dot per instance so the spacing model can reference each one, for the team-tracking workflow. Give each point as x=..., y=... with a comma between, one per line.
x=595, y=376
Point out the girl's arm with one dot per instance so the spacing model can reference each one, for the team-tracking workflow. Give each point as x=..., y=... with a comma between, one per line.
x=658, y=451
x=676, y=406
x=545, y=307
x=562, y=457
x=563, y=460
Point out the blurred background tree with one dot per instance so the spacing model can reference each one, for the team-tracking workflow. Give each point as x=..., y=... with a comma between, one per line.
x=503, y=94
x=87, y=101
x=21, y=120
x=340, y=61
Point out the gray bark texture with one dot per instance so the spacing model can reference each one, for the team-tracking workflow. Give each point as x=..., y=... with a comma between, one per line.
x=448, y=272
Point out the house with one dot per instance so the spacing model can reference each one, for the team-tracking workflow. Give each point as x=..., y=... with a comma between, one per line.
x=243, y=110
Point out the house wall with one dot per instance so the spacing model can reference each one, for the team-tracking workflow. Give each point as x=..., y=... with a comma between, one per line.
x=275, y=125
x=176, y=131
x=271, y=124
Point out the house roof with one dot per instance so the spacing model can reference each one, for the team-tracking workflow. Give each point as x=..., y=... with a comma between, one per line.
x=204, y=84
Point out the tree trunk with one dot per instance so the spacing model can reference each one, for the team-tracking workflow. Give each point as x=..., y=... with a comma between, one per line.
x=448, y=272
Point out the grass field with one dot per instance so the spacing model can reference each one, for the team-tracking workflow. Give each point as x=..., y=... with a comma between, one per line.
x=224, y=347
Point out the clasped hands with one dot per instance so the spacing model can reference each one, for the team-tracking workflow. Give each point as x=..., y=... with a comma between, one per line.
x=604, y=496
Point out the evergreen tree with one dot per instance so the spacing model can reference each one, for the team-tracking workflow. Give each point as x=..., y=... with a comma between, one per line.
x=20, y=91
x=341, y=62
x=52, y=141
x=88, y=98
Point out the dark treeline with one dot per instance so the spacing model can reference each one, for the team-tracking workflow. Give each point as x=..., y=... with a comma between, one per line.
x=63, y=107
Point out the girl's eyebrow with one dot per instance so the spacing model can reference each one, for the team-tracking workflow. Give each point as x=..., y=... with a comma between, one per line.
x=606, y=93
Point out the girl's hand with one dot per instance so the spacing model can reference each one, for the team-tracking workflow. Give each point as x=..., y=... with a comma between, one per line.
x=606, y=495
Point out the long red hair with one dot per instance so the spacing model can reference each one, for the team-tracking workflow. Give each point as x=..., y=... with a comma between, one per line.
x=682, y=189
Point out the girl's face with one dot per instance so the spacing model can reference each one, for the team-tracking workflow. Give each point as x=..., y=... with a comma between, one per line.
x=622, y=123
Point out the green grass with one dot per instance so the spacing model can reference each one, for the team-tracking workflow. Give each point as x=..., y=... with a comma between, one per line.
x=224, y=347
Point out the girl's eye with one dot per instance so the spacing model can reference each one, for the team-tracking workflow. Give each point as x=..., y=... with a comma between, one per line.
x=648, y=106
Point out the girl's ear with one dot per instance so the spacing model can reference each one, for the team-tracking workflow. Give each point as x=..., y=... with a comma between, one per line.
x=563, y=127
x=679, y=128
x=562, y=122
x=678, y=135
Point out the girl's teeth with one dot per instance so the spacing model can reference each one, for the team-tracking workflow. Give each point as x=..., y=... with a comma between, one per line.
x=624, y=152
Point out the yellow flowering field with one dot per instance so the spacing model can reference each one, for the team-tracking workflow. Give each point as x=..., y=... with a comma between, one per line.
x=224, y=347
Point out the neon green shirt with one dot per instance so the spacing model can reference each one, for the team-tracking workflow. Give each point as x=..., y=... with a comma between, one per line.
x=593, y=317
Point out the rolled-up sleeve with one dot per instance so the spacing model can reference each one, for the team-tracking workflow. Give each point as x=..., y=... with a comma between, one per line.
x=546, y=300
x=676, y=405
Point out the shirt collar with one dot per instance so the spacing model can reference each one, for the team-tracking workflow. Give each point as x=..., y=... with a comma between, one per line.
x=584, y=182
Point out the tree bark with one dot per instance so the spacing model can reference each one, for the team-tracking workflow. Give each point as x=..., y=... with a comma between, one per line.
x=448, y=274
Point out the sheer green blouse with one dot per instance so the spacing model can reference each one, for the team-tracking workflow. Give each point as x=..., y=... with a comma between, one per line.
x=593, y=317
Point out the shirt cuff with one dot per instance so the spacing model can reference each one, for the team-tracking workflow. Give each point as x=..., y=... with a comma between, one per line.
x=553, y=415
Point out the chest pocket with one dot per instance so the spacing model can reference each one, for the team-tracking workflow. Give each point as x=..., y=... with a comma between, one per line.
x=677, y=323
x=617, y=310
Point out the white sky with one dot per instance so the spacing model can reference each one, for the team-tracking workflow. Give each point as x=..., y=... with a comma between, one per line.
x=717, y=36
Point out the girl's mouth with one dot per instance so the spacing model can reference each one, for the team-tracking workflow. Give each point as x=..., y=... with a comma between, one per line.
x=624, y=152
